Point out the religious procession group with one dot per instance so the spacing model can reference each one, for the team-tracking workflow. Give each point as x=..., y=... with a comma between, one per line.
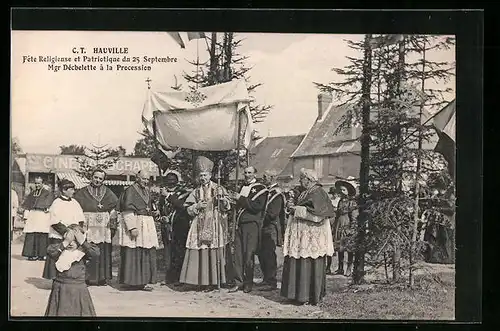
x=73, y=234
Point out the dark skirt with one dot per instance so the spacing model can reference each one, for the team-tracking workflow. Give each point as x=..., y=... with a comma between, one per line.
x=49, y=269
x=70, y=299
x=35, y=244
x=137, y=266
x=174, y=253
x=99, y=269
x=440, y=244
x=304, y=280
x=200, y=266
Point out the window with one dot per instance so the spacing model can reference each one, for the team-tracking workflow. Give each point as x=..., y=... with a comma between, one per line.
x=318, y=165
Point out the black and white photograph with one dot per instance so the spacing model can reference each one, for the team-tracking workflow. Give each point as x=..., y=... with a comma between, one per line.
x=253, y=175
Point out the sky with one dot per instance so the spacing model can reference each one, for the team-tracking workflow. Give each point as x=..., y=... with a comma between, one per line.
x=50, y=109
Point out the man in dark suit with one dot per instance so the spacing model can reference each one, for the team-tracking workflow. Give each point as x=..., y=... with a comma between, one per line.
x=250, y=206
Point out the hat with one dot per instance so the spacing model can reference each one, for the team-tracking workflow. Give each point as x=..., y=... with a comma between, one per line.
x=348, y=184
x=310, y=174
x=203, y=164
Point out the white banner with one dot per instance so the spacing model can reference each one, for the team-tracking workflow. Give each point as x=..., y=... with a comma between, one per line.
x=203, y=119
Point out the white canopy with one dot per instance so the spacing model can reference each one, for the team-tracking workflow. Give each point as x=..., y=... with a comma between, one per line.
x=203, y=119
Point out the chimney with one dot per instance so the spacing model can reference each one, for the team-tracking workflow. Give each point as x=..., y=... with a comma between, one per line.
x=324, y=100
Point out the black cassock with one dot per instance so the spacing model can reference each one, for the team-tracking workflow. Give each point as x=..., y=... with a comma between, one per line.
x=272, y=234
x=174, y=231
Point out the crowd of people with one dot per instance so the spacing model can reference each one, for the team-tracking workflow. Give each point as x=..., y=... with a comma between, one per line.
x=210, y=235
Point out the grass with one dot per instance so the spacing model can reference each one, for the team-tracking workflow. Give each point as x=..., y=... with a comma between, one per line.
x=429, y=300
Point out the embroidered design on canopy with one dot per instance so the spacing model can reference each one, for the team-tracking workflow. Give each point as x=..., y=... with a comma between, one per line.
x=195, y=97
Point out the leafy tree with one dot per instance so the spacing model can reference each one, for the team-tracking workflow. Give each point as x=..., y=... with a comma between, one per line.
x=145, y=146
x=181, y=160
x=15, y=146
x=72, y=150
x=118, y=151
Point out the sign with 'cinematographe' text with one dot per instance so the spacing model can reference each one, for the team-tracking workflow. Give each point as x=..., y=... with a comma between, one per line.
x=67, y=163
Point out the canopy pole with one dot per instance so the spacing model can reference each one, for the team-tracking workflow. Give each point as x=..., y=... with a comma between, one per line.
x=157, y=144
x=233, y=230
x=197, y=62
x=218, y=227
x=238, y=143
x=193, y=162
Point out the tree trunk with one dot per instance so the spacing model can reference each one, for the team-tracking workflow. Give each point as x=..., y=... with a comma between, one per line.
x=399, y=79
x=359, y=263
x=416, y=210
x=228, y=54
x=212, y=74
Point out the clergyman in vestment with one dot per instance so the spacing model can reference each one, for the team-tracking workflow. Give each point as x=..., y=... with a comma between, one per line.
x=98, y=203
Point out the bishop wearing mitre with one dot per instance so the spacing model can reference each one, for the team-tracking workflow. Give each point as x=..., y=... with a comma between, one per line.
x=204, y=260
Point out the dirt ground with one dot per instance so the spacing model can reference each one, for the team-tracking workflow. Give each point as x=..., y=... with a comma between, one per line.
x=431, y=299
x=30, y=292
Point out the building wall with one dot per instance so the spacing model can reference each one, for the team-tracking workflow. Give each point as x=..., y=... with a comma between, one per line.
x=302, y=162
x=344, y=165
x=329, y=167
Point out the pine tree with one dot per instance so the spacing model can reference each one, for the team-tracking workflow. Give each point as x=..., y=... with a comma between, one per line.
x=96, y=157
x=224, y=65
x=398, y=162
x=355, y=93
x=391, y=133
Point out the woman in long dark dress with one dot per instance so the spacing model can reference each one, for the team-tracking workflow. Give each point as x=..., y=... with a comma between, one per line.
x=308, y=241
x=440, y=230
x=346, y=215
x=70, y=295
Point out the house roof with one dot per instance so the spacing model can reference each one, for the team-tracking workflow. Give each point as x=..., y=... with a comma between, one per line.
x=322, y=140
x=21, y=163
x=273, y=153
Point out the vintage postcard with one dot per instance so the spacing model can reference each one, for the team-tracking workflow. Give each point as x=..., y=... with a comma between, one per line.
x=232, y=175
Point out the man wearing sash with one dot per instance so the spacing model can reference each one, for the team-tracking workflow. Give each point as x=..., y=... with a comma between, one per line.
x=250, y=205
x=98, y=203
x=37, y=225
x=272, y=231
x=137, y=236
x=208, y=204
x=174, y=225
